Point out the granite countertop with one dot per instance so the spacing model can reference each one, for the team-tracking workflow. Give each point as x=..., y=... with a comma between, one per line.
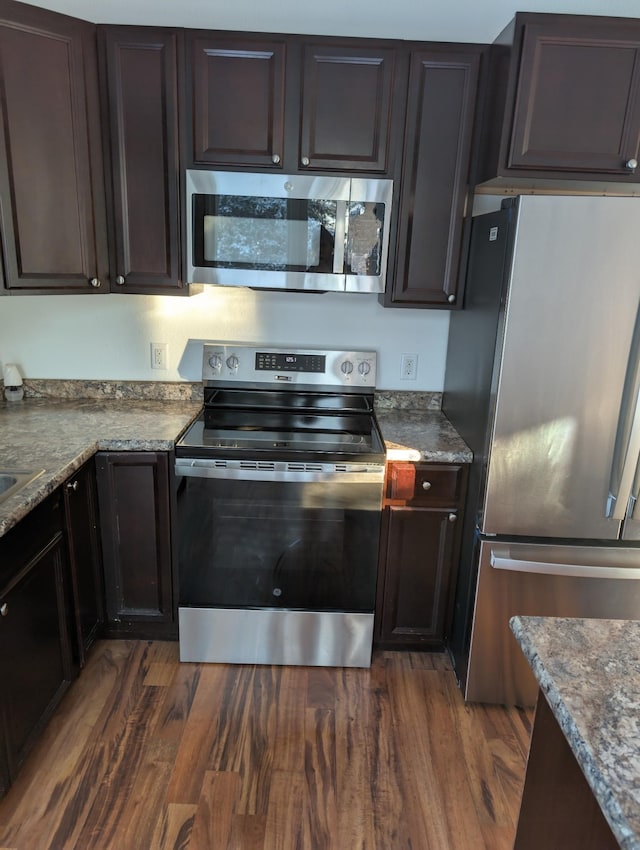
x=58, y=436
x=58, y=433
x=421, y=435
x=589, y=672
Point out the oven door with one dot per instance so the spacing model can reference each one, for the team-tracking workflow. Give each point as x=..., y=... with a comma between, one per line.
x=277, y=565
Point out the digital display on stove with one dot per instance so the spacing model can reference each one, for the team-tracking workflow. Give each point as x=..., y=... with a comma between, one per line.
x=281, y=362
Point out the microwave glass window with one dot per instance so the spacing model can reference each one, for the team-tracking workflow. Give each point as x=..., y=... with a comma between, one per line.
x=364, y=241
x=278, y=243
x=264, y=233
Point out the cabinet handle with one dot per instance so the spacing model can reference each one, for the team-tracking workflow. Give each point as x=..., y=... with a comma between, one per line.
x=305, y=160
x=631, y=164
x=72, y=485
x=275, y=159
x=95, y=282
x=426, y=485
x=452, y=517
x=4, y=609
x=120, y=280
x=451, y=299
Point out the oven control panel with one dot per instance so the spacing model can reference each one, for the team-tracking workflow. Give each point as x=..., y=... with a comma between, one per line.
x=240, y=363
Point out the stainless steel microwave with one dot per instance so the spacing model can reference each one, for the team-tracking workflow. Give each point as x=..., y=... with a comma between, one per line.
x=297, y=232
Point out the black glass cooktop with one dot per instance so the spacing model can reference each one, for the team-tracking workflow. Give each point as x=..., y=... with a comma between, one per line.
x=322, y=427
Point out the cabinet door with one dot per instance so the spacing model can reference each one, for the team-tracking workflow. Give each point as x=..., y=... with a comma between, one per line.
x=51, y=180
x=35, y=653
x=577, y=102
x=417, y=552
x=435, y=177
x=237, y=99
x=4, y=759
x=134, y=503
x=80, y=504
x=141, y=111
x=346, y=107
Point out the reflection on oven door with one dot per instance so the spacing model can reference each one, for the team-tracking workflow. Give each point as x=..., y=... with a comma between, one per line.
x=271, y=545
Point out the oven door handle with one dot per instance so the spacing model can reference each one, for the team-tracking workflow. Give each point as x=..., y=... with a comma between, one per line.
x=280, y=471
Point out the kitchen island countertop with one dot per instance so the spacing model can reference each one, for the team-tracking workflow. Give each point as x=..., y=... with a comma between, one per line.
x=589, y=673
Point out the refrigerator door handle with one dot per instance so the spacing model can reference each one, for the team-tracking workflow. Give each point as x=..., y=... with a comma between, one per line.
x=624, y=466
x=573, y=570
x=618, y=502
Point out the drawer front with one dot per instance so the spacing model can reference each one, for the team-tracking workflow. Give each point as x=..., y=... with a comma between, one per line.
x=424, y=484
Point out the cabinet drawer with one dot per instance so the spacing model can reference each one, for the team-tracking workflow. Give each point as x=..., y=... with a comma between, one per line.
x=425, y=484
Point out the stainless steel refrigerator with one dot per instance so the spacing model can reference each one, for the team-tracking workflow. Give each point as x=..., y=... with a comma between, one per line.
x=543, y=381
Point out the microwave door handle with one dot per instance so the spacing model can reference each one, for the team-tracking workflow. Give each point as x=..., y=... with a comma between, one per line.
x=572, y=570
x=340, y=240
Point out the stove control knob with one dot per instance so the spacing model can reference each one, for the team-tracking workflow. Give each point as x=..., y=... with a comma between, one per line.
x=233, y=362
x=364, y=368
x=215, y=361
x=347, y=367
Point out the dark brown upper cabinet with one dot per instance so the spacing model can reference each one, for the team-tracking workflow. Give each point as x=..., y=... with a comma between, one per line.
x=436, y=176
x=566, y=101
x=139, y=76
x=52, y=212
x=291, y=103
x=236, y=88
x=346, y=106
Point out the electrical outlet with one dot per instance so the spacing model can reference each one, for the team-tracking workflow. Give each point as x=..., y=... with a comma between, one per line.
x=159, y=355
x=408, y=367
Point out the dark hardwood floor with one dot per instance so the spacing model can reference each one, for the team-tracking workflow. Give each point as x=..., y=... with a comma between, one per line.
x=146, y=753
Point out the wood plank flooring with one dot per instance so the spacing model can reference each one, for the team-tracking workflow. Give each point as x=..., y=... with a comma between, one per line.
x=146, y=753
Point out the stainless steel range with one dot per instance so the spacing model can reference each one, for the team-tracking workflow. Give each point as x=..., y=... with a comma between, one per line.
x=279, y=497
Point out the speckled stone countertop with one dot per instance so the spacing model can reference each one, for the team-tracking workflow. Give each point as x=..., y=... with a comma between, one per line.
x=589, y=672
x=425, y=435
x=58, y=436
x=61, y=424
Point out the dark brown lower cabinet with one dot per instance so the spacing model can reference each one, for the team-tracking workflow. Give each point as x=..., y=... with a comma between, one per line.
x=87, y=594
x=419, y=547
x=134, y=497
x=36, y=664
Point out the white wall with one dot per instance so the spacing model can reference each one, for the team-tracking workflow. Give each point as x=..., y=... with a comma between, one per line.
x=109, y=336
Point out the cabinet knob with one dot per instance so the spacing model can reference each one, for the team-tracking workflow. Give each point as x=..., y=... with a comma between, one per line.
x=452, y=517
x=4, y=609
x=631, y=164
x=95, y=282
x=120, y=280
x=426, y=485
x=275, y=159
x=451, y=299
x=305, y=160
x=72, y=485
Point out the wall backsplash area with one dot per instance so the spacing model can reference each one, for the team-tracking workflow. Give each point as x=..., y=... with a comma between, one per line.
x=109, y=337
